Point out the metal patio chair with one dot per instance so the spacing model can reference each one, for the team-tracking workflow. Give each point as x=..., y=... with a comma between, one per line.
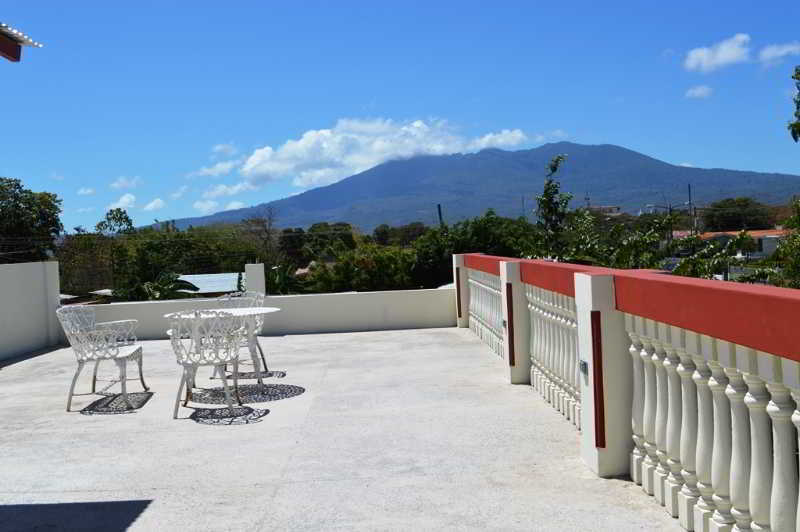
x=206, y=338
x=94, y=342
x=247, y=299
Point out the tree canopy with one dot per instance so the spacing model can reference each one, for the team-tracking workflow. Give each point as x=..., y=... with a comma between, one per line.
x=794, y=126
x=734, y=214
x=29, y=222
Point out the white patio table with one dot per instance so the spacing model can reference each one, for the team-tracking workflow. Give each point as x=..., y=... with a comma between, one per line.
x=249, y=313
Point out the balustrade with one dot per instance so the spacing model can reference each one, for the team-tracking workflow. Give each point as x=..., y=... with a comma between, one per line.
x=554, y=350
x=715, y=437
x=486, y=309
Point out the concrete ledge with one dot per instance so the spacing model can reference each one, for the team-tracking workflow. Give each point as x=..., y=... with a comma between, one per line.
x=313, y=313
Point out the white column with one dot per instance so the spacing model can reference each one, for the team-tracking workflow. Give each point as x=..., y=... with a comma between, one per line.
x=687, y=498
x=594, y=296
x=674, y=420
x=662, y=413
x=721, y=458
x=637, y=408
x=649, y=416
x=254, y=276
x=756, y=401
x=705, y=441
x=740, y=451
x=783, y=503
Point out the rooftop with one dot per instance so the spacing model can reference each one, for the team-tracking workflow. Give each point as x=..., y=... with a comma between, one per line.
x=413, y=429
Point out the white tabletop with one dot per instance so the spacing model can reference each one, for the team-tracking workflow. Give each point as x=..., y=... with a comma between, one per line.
x=242, y=311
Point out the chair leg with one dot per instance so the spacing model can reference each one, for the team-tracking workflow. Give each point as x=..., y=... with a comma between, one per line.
x=227, y=393
x=189, y=384
x=178, y=397
x=122, y=363
x=94, y=377
x=236, y=381
x=141, y=374
x=72, y=387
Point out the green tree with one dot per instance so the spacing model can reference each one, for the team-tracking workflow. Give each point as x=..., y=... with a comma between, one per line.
x=168, y=286
x=552, y=210
x=29, y=222
x=116, y=222
x=794, y=126
x=734, y=214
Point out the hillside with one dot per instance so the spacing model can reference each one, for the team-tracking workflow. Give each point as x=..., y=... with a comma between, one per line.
x=402, y=191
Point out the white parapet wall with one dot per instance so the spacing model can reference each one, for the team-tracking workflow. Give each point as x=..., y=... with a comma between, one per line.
x=29, y=297
x=312, y=313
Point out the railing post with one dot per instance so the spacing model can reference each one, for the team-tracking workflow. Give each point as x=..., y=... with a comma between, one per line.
x=607, y=378
x=705, y=506
x=461, y=283
x=254, y=276
x=687, y=498
x=516, y=340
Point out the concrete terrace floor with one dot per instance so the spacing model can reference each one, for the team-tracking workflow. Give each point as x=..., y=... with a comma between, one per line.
x=397, y=430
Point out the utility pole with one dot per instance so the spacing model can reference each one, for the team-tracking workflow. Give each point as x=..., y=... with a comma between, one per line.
x=441, y=220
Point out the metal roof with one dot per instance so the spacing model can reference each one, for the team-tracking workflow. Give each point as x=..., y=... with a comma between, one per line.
x=18, y=36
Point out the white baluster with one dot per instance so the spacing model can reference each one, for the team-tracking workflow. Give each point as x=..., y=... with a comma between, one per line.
x=783, y=503
x=674, y=415
x=756, y=401
x=662, y=412
x=637, y=410
x=687, y=498
x=705, y=442
x=721, y=458
x=649, y=416
x=740, y=450
x=796, y=422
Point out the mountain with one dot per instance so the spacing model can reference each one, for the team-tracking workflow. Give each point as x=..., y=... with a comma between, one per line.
x=403, y=191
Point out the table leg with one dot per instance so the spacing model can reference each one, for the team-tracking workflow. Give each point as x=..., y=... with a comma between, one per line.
x=252, y=341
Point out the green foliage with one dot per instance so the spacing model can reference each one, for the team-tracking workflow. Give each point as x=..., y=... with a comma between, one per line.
x=733, y=214
x=403, y=235
x=794, y=126
x=116, y=222
x=552, y=211
x=29, y=222
x=712, y=258
x=167, y=286
x=367, y=267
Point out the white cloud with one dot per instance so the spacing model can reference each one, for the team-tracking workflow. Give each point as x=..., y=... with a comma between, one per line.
x=723, y=53
x=126, y=182
x=215, y=170
x=234, y=205
x=85, y=209
x=125, y=201
x=85, y=191
x=773, y=54
x=224, y=149
x=228, y=190
x=687, y=165
x=57, y=176
x=325, y=156
x=205, y=206
x=180, y=192
x=700, y=91
x=503, y=139
x=154, y=205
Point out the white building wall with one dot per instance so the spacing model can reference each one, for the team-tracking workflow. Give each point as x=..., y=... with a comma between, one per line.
x=313, y=313
x=29, y=297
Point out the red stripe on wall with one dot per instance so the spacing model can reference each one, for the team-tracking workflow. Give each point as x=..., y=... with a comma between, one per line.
x=756, y=316
x=555, y=276
x=485, y=263
x=597, y=377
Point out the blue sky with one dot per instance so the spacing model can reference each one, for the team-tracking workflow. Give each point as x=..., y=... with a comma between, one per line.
x=175, y=109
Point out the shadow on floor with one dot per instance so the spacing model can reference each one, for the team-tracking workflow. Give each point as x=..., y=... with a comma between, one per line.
x=115, y=404
x=106, y=516
x=254, y=375
x=238, y=415
x=250, y=393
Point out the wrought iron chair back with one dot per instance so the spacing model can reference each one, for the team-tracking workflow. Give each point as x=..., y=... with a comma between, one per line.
x=206, y=338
